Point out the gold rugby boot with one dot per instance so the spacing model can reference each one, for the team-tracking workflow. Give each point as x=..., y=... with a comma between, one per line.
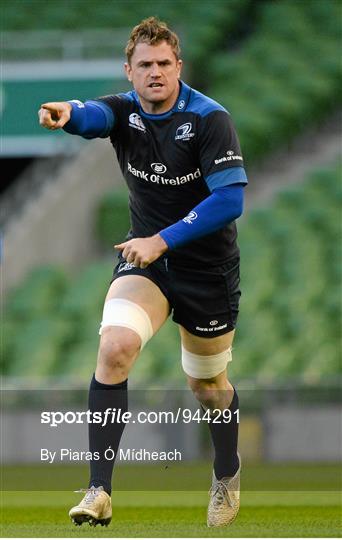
x=95, y=508
x=224, y=500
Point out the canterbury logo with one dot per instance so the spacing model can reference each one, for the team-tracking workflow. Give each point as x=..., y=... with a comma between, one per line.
x=136, y=122
x=123, y=267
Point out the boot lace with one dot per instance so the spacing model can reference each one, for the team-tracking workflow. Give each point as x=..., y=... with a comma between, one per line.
x=220, y=494
x=91, y=493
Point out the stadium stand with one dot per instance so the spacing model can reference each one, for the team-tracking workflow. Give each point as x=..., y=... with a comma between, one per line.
x=290, y=309
x=284, y=78
x=67, y=15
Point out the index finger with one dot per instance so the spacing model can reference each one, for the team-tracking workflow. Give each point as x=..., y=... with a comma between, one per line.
x=45, y=118
x=120, y=246
x=51, y=106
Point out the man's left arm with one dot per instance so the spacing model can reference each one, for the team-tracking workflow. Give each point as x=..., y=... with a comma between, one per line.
x=224, y=205
x=222, y=167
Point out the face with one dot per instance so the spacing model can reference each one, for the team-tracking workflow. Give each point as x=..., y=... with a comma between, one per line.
x=154, y=72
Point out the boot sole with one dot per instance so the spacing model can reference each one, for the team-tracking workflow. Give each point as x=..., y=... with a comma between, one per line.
x=93, y=522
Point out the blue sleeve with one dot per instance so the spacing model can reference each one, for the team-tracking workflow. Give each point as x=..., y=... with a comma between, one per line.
x=233, y=175
x=221, y=207
x=90, y=119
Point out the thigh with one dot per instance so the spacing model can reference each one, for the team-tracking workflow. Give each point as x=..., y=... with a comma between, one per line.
x=206, y=346
x=206, y=302
x=145, y=293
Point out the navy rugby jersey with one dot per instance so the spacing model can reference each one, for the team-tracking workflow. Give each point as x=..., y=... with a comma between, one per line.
x=171, y=162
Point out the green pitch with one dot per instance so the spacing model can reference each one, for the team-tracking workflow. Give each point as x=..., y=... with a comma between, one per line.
x=282, y=513
x=182, y=514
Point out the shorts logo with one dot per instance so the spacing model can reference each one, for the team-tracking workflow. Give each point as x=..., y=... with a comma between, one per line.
x=190, y=217
x=136, y=122
x=184, y=133
x=158, y=168
x=213, y=323
x=212, y=328
x=124, y=266
x=181, y=104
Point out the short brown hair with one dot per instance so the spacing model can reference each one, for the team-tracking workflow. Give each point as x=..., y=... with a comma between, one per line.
x=152, y=31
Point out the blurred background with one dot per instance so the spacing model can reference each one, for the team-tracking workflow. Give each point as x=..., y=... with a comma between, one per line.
x=276, y=66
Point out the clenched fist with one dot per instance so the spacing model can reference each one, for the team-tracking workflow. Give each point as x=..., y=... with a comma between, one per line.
x=54, y=115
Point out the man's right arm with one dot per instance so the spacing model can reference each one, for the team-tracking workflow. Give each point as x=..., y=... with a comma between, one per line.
x=90, y=119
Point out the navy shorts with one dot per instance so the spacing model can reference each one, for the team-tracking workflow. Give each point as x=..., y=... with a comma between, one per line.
x=205, y=301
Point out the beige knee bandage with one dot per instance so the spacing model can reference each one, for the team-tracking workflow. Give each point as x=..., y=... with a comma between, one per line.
x=205, y=367
x=122, y=312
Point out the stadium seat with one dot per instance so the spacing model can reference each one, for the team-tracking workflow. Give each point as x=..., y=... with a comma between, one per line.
x=38, y=349
x=39, y=293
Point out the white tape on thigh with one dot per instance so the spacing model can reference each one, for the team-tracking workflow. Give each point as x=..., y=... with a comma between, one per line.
x=205, y=367
x=122, y=312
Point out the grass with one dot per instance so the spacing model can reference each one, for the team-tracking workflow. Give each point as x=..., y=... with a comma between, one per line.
x=188, y=476
x=170, y=514
x=277, y=500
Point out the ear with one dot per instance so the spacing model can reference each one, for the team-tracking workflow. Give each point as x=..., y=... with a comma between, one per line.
x=179, y=67
x=128, y=71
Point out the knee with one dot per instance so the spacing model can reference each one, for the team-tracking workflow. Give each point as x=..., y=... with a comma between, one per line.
x=207, y=393
x=118, y=351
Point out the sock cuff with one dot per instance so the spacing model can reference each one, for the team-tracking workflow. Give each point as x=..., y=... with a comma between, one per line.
x=96, y=385
x=234, y=404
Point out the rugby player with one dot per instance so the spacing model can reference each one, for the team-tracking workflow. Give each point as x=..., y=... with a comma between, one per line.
x=181, y=159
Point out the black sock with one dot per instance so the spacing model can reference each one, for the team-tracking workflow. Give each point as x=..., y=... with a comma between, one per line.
x=102, y=397
x=225, y=440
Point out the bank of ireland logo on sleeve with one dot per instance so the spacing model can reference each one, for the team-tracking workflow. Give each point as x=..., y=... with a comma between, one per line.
x=230, y=156
x=184, y=132
x=136, y=122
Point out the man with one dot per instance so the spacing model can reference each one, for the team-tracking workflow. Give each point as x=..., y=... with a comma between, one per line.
x=182, y=162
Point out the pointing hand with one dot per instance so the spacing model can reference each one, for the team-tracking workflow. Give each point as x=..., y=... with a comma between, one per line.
x=54, y=115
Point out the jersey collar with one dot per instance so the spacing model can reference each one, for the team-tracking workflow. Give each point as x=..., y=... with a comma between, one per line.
x=183, y=97
x=179, y=106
